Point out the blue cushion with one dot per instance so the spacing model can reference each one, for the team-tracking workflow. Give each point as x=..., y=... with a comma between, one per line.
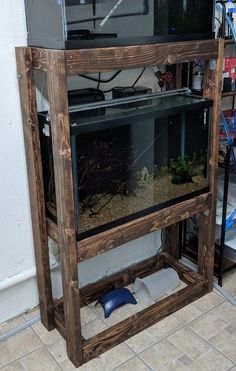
x=115, y=299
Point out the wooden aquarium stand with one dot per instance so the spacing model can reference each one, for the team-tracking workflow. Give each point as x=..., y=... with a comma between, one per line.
x=64, y=314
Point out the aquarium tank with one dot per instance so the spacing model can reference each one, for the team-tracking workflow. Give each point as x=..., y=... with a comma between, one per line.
x=132, y=157
x=69, y=24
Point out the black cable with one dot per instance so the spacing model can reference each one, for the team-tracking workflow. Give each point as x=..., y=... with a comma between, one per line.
x=99, y=80
x=218, y=20
x=130, y=86
x=139, y=77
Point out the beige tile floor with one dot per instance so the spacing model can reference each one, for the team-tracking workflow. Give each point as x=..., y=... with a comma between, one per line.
x=199, y=337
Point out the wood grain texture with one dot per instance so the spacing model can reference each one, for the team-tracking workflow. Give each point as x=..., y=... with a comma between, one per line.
x=197, y=287
x=127, y=57
x=171, y=240
x=112, y=238
x=35, y=181
x=52, y=230
x=212, y=90
x=59, y=65
x=60, y=131
x=185, y=273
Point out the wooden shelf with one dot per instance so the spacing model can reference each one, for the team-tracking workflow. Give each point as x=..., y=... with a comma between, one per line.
x=65, y=316
x=130, y=326
x=127, y=57
x=191, y=252
x=229, y=42
x=229, y=94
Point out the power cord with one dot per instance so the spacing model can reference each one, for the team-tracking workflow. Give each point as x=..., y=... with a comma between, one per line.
x=131, y=86
x=99, y=80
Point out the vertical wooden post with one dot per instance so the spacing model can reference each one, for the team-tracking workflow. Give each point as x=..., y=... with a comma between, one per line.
x=206, y=248
x=178, y=76
x=60, y=129
x=35, y=180
x=172, y=240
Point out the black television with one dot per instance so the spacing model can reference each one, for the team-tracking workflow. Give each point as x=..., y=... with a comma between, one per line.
x=70, y=24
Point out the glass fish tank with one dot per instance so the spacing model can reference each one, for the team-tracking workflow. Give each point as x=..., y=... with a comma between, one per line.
x=69, y=24
x=132, y=157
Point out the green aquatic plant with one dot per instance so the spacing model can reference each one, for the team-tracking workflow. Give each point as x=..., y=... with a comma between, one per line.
x=182, y=170
x=144, y=178
x=156, y=173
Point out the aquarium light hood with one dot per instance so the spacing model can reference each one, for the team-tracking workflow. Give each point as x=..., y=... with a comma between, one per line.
x=133, y=99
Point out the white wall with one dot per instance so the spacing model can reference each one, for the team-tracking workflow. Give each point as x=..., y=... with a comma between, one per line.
x=16, y=253
x=16, y=244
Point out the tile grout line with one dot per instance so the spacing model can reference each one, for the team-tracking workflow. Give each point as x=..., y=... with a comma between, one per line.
x=213, y=346
x=46, y=349
x=135, y=357
x=202, y=314
x=149, y=368
x=19, y=358
x=160, y=340
x=184, y=324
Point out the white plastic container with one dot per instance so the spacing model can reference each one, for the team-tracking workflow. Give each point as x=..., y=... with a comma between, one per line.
x=153, y=287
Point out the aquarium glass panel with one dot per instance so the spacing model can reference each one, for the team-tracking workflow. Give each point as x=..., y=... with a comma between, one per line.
x=110, y=19
x=131, y=157
x=136, y=158
x=72, y=24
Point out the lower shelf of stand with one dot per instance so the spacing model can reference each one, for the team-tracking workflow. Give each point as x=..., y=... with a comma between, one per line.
x=195, y=287
x=191, y=252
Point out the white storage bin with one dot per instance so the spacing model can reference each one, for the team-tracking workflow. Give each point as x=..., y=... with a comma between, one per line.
x=153, y=287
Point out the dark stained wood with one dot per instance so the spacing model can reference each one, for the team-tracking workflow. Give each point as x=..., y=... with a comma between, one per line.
x=52, y=230
x=126, y=57
x=112, y=238
x=35, y=180
x=181, y=213
x=229, y=42
x=197, y=287
x=178, y=76
x=191, y=252
x=39, y=56
x=172, y=240
x=60, y=130
x=60, y=322
x=228, y=93
x=185, y=273
x=59, y=65
x=142, y=320
x=212, y=90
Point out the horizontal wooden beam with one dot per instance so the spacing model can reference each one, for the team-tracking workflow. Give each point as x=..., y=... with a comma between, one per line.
x=127, y=57
x=127, y=232
x=98, y=344
x=122, y=331
x=52, y=230
x=112, y=238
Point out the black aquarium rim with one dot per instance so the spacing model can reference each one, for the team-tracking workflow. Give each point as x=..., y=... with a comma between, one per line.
x=102, y=122
x=127, y=41
x=139, y=214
